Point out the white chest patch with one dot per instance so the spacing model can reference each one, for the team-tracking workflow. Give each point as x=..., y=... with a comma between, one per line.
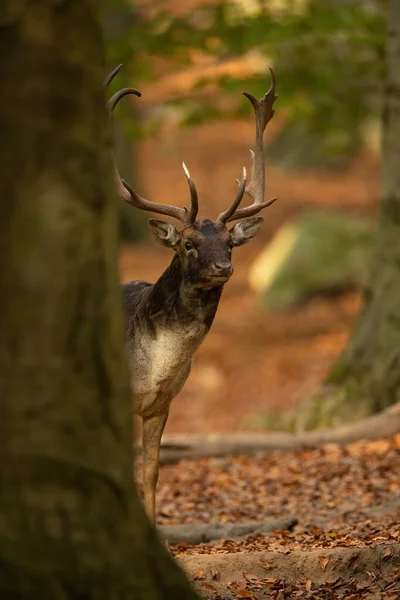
x=167, y=354
x=161, y=366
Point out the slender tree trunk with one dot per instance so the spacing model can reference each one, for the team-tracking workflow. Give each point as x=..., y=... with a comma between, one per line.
x=71, y=525
x=118, y=26
x=366, y=378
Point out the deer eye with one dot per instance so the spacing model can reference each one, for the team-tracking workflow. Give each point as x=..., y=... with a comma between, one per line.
x=188, y=245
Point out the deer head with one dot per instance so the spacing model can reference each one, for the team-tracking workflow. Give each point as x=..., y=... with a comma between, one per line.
x=204, y=246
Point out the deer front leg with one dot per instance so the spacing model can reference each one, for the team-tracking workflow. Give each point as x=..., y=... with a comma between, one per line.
x=153, y=428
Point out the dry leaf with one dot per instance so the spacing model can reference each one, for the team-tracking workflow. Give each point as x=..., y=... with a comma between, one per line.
x=332, y=534
x=243, y=593
x=388, y=552
x=372, y=575
x=323, y=561
x=208, y=586
x=233, y=585
x=352, y=558
x=266, y=565
x=308, y=584
x=250, y=576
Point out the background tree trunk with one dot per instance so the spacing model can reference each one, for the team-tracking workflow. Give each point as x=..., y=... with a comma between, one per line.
x=71, y=525
x=118, y=27
x=366, y=378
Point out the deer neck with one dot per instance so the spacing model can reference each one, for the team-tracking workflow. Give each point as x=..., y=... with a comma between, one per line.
x=176, y=300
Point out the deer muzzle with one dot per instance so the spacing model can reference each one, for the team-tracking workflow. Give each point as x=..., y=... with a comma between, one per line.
x=222, y=269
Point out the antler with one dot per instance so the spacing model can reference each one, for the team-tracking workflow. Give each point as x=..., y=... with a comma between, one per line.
x=256, y=188
x=128, y=194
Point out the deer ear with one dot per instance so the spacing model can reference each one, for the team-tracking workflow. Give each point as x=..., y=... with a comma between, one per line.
x=165, y=233
x=242, y=232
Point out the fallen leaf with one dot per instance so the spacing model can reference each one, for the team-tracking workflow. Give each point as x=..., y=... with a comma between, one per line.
x=208, y=586
x=266, y=565
x=243, y=593
x=372, y=575
x=233, y=585
x=270, y=581
x=352, y=559
x=250, y=576
x=387, y=554
x=308, y=584
x=323, y=561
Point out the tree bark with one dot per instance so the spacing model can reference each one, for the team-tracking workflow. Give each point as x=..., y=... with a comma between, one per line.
x=71, y=524
x=366, y=378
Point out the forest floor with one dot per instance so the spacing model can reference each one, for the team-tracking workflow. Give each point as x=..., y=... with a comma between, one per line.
x=346, y=544
x=253, y=365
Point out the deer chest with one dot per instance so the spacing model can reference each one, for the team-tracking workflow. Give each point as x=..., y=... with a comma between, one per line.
x=161, y=365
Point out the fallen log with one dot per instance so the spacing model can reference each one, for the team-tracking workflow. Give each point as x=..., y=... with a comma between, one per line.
x=208, y=532
x=385, y=424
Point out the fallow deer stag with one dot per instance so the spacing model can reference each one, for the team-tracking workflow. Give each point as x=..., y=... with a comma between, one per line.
x=167, y=321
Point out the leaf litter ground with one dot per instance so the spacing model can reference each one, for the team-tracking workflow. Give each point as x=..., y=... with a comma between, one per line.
x=344, y=498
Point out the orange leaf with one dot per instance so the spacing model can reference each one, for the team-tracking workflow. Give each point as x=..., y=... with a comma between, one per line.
x=323, y=561
x=208, y=586
x=242, y=593
x=308, y=584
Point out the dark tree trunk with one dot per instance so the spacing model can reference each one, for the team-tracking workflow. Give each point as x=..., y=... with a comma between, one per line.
x=71, y=525
x=366, y=378
x=118, y=25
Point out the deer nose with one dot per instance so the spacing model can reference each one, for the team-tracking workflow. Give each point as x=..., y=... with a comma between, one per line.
x=224, y=269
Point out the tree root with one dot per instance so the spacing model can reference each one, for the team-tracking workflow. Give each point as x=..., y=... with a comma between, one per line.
x=256, y=571
x=176, y=447
x=199, y=533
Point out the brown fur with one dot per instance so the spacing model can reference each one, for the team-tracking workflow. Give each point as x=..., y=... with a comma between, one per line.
x=167, y=321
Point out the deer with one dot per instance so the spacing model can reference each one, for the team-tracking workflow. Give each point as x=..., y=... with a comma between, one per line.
x=166, y=321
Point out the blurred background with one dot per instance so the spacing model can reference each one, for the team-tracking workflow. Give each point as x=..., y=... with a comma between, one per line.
x=288, y=310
